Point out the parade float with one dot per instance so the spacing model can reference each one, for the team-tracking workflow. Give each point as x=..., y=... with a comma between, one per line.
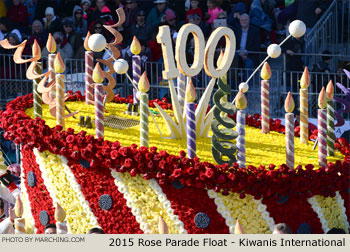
x=139, y=165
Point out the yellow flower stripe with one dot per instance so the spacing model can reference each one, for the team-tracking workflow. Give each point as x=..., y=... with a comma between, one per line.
x=27, y=210
x=261, y=149
x=62, y=189
x=331, y=212
x=246, y=211
x=145, y=198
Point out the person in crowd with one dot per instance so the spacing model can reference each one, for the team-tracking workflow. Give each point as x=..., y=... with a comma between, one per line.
x=80, y=25
x=7, y=224
x=51, y=22
x=247, y=40
x=157, y=14
x=336, y=231
x=102, y=12
x=221, y=20
x=72, y=37
x=38, y=34
x=50, y=229
x=233, y=18
x=131, y=9
x=322, y=66
x=98, y=28
x=62, y=46
x=282, y=228
x=96, y=230
x=310, y=11
x=31, y=6
x=6, y=28
x=170, y=20
x=113, y=5
x=194, y=10
x=18, y=15
x=3, y=9
x=86, y=6
x=213, y=11
x=140, y=29
x=195, y=19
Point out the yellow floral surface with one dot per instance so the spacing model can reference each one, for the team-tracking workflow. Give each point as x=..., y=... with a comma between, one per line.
x=261, y=149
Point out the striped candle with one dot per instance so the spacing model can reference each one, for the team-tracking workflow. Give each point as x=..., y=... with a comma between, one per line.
x=37, y=99
x=61, y=227
x=99, y=109
x=240, y=127
x=322, y=129
x=89, y=89
x=136, y=73
x=265, y=106
x=181, y=90
x=304, y=107
x=20, y=226
x=144, y=131
x=60, y=119
x=191, y=119
x=330, y=119
x=289, y=123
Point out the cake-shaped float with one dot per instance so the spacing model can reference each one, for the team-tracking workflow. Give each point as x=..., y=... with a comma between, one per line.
x=148, y=166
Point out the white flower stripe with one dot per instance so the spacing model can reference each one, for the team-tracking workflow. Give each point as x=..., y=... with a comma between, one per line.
x=340, y=202
x=317, y=209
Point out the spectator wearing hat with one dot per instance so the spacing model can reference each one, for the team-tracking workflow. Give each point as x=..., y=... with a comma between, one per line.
x=170, y=20
x=80, y=25
x=131, y=9
x=157, y=14
x=65, y=49
x=51, y=22
x=86, y=6
x=233, y=17
x=195, y=19
x=194, y=10
x=72, y=37
x=17, y=14
x=97, y=28
x=140, y=29
x=38, y=34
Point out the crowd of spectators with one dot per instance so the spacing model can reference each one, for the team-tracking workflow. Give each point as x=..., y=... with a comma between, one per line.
x=256, y=23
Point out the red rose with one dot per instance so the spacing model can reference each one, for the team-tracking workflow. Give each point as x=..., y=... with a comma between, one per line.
x=70, y=139
x=209, y=173
x=114, y=154
x=177, y=173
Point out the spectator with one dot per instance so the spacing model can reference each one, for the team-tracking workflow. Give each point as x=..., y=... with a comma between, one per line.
x=260, y=19
x=322, y=66
x=18, y=14
x=170, y=20
x=31, y=6
x=79, y=23
x=50, y=229
x=233, y=18
x=310, y=11
x=3, y=9
x=282, y=228
x=102, y=12
x=195, y=19
x=221, y=20
x=97, y=27
x=6, y=27
x=213, y=11
x=194, y=10
x=65, y=49
x=140, y=29
x=157, y=14
x=85, y=5
x=96, y=230
x=51, y=22
x=38, y=34
x=72, y=37
x=131, y=9
x=247, y=40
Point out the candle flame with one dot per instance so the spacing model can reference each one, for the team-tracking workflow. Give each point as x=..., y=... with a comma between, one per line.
x=59, y=64
x=238, y=228
x=162, y=226
x=144, y=83
x=135, y=46
x=36, y=50
x=322, y=101
x=60, y=214
x=241, y=100
x=265, y=73
x=97, y=74
x=51, y=44
x=86, y=46
x=305, y=79
x=190, y=92
x=221, y=56
x=19, y=207
x=289, y=103
x=330, y=90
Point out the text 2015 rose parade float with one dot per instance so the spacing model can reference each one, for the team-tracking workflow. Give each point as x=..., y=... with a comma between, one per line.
x=91, y=164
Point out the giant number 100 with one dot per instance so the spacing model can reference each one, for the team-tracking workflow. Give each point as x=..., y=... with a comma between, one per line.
x=202, y=56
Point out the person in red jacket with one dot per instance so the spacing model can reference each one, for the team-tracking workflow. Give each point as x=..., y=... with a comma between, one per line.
x=195, y=10
x=18, y=14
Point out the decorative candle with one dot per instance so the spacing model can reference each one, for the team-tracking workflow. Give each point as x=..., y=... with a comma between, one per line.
x=330, y=119
x=135, y=49
x=60, y=216
x=181, y=90
x=20, y=227
x=59, y=69
x=304, y=114
x=191, y=120
x=265, y=74
x=289, y=119
x=239, y=228
x=144, y=111
x=322, y=129
x=89, y=62
x=51, y=48
x=241, y=104
x=37, y=99
x=98, y=78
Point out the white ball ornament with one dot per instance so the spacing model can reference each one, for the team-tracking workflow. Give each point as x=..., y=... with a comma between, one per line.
x=274, y=51
x=97, y=42
x=297, y=28
x=244, y=87
x=121, y=66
